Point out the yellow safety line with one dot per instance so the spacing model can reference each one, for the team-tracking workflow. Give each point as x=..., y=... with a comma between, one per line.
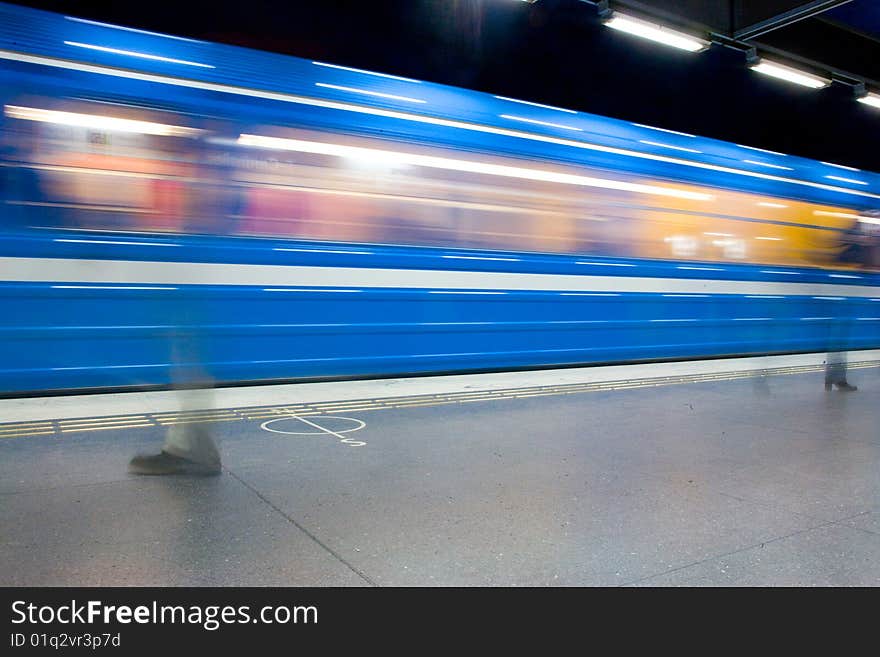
x=417, y=397
x=105, y=428
x=346, y=409
x=298, y=407
x=537, y=394
x=289, y=414
x=177, y=416
x=346, y=406
x=492, y=396
x=26, y=424
x=68, y=425
x=110, y=418
x=27, y=433
x=203, y=418
x=170, y=423
x=17, y=429
x=438, y=403
x=468, y=400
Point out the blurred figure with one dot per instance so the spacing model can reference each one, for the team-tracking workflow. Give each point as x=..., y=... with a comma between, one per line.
x=855, y=250
x=855, y=245
x=211, y=206
x=188, y=448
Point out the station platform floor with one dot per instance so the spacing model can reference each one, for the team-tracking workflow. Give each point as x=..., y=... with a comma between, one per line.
x=734, y=472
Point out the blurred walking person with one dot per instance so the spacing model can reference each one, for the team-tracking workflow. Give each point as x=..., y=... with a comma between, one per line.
x=856, y=248
x=211, y=207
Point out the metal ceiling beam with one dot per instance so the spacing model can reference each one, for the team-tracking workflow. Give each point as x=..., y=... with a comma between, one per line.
x=799, y=13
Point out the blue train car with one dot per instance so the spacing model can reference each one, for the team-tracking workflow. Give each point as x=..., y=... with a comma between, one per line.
x=175, y=211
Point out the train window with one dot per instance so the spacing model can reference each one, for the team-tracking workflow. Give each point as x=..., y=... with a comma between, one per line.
x=88, y=165
x=112, y=167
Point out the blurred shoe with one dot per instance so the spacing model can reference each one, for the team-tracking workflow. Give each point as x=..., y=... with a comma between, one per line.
x=843, y=386
x=164, y=463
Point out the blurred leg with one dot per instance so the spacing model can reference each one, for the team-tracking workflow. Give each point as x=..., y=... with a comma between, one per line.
x=193, y=442
x=835, y=367
x=188, y=447
x=835, y=363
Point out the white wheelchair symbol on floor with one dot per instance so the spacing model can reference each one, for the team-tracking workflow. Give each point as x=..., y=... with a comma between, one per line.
x=326, y=425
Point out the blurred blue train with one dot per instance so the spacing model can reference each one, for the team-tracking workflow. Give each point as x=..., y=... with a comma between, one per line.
x=171, y=205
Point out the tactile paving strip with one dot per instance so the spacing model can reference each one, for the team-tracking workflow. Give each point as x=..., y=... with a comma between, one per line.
x=62, y=427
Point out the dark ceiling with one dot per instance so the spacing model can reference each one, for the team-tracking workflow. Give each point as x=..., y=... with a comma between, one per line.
x=860, y=16
x=558, y=52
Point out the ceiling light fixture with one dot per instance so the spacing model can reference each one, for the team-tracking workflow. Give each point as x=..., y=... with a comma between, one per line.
x=792, y=75
x=870, y=99
x=656, y=33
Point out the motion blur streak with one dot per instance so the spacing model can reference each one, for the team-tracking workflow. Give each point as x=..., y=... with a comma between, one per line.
x=396, y=157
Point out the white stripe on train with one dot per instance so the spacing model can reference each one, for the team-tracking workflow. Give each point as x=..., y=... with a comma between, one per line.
x=136, y=272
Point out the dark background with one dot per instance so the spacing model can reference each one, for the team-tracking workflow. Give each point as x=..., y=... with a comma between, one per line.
x=555, y=52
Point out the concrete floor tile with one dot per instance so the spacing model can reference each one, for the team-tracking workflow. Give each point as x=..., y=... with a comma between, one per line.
x=832, y=555
x=172, y=531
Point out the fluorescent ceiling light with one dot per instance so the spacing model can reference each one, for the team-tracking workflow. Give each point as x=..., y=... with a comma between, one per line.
x=656, y=33
x=470, y=166
x=791, y=75
x=98, y=122
x=368, y=93
x=132, y=53
x=871, y=99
